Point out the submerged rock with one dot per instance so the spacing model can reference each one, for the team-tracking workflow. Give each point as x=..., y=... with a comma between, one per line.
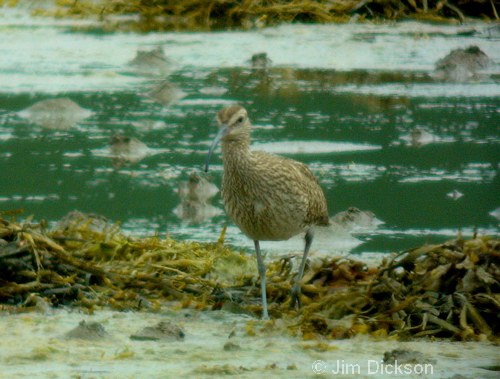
x=260, y=60
x=195, y=194
x=418, y=137
x=495, y=213
x=149, y=124
x=124, y=149
x=195, y=212
x=166, y=93
x=75, y=222
x=59, y=114
x=403, y=356
x=235, y=308
x=164, y=330
x=355, y=219
x=152, y=62
x=197, y=188
x=91, y=331
x=39, y=303
x=231, y=346
x=462, y=64
x=455, y=194
x=213, y=91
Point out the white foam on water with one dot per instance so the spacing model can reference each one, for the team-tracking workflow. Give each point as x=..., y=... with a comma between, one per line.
x=452, y=233
x=46, y=56
x=312, y=147
x=424, y=90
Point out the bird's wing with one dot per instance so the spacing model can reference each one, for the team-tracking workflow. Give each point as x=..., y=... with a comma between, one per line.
x=302, y=179
x=283, y=166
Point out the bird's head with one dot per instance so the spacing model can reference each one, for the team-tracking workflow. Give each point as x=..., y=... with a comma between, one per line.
x=234, y=126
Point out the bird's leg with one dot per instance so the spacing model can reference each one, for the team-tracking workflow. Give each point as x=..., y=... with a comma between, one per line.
x=296, y=286
x=262, y=274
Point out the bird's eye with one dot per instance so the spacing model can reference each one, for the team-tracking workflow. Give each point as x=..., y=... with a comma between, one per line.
x=240, y=120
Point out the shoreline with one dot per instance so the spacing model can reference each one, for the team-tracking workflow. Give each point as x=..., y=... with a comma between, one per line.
x=435, y=290
x=136, y=16
x=218, y=343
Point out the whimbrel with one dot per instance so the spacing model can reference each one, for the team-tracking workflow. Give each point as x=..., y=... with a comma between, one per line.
x=270, y=198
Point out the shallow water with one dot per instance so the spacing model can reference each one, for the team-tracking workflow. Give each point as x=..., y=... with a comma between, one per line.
x=342, y=98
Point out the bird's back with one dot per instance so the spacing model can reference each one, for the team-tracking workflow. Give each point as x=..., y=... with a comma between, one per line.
x=271, y=197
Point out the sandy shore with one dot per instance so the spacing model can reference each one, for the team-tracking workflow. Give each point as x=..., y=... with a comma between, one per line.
x=217, y=344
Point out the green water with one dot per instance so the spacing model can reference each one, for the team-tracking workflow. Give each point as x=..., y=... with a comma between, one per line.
x=296, y=111
x=49, y=173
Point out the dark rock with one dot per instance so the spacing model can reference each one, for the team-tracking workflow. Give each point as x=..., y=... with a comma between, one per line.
x=90, y=331
x=164, y=330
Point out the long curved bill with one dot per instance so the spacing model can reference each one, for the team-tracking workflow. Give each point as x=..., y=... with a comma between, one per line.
x=220, y=135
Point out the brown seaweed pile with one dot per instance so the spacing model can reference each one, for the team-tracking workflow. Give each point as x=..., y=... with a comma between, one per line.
x=448, y=290
x=86, y=261
x=219, y=14
x=445, y=290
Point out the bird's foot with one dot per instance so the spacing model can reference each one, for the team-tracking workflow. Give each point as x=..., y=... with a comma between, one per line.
x=296, y=292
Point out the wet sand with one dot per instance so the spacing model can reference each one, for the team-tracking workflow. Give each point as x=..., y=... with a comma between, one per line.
x=216, y=344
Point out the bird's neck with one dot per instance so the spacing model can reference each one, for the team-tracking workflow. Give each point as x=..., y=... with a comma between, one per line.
x=236, y=152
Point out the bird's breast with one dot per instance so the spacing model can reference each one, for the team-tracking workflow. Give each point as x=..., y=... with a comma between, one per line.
x=270, y=197
x=261, y=214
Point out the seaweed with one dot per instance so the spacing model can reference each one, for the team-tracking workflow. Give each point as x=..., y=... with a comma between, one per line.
x=444, y=290
x=222, y=14
x=448, y=290
x=86, y=261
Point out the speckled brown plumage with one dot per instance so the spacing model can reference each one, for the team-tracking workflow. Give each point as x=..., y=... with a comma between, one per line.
x=269, y=197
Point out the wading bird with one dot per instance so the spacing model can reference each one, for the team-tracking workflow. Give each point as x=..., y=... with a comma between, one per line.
x=270, y=198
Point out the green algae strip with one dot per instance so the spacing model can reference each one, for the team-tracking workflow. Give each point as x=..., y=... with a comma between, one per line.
x=448, y=290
